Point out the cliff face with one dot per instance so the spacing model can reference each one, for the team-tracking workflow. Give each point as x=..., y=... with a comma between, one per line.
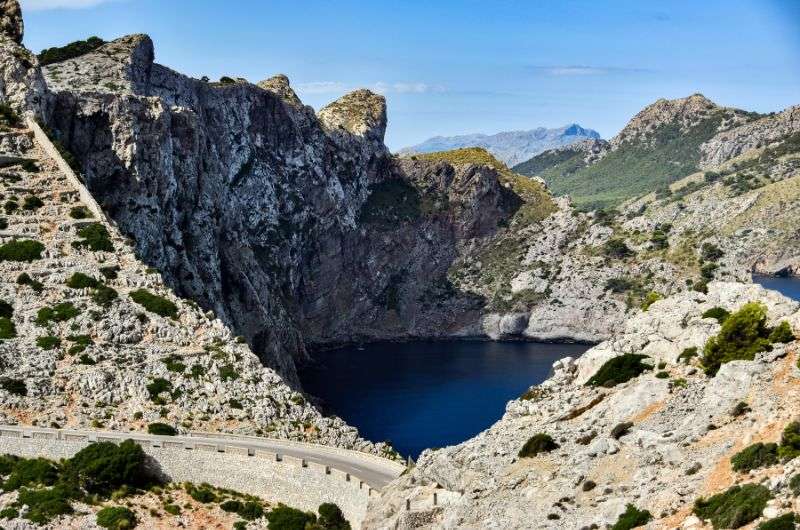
x=256, y=207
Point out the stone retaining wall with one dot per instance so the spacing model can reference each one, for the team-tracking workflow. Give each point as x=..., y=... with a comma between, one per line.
x=288, y=480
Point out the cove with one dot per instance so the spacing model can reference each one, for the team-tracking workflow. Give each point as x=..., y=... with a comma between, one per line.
x=788, y=286
x=427, y=394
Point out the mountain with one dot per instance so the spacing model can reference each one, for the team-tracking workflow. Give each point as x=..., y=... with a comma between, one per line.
x=510, y=147
x=660, y=145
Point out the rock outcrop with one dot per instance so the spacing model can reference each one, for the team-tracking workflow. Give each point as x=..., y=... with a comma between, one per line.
x=658, y=441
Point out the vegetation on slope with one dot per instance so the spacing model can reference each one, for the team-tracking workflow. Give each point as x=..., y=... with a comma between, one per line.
x=58, y=54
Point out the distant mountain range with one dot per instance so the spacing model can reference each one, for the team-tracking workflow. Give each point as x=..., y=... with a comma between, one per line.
x=511, y=147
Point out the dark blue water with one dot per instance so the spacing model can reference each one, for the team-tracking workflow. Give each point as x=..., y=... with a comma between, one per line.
x=428, y=394
x=788, y=286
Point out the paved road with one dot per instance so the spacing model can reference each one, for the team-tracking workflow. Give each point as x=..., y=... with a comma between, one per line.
x=373, y=470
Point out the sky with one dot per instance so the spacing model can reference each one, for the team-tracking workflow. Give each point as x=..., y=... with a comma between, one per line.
x=455, y=67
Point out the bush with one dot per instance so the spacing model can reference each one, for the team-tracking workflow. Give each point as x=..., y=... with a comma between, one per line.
x=651, y=298
x=250, y=511
x=538, y=443
x=631, y=518
x=95, y=237
x=687, y=354
x=755, y=456
x=286, y=518
x=81, y=281
x=10, y=206
x=161, y=429
x=46, y=504
x=116, y=518
x=718, y=313
x=710, y=252
x=104, y=467
x=740, y=409
x=331, y=517
x=783, y=522
x=701, y=286
x=32, y=202
x=31, y=472
x=157, y=386
x=6, y=309
x=743, y=334
x=155, y=304
x=30, y=166
x=790, y=442
x=201, y=494
x=14, y=386
x=782, y=333
x=48, y=342
x=735, y=507
x=25, y=279
x=617, y=248
x=621, y=429
x=80, y=212
x=228, y=373
x=172, y=509
x=618, y=370
x=58, y=54
x=81, y=342
x=58, y=313
x=7, y=328
x=110, y=273
x=104, y=296
x=9, y=513
x=21, y=250
x=231, y=506
x=794, y=484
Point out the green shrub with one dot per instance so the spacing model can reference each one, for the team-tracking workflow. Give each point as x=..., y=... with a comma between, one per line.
x=651, y=298
x=331, y=517
x=235, y=404
x=110, y=273
x=154, y=303
x=14, y=386
x=157, y=386
x=286, y=518
x=104, y=296
x=710, y=252
x=201, y=494
x=3, y=223
x=32, y=202
x=10, y=206
x=58, y=54
x=617, y=248
x=783, y=522
x=720, y=314
x=81, y=281
x=104, y=467
x=231, y=506
x=687, y=354
x=197, y=370
x=25, y=279
x=755, y=456
x=21, y=250
x=172, y=509
x=743, y=334
x=701, y=286
x=790, y=442
x=95, y=237
x=30, y=166
x=46, y=504
x=782, y=333
x=225, y=80
x=80, y=212
x=631, y=518
x=31, y=472
x=618, y=370
x=81, y=342
x=740, y=409
x=48, y=342
x=538, y=443
x=794, y=485
x=228, y=373
x=9, y=513
x=6, y=309
x=662, y=375
x=58, y=313
x=8, y=116
x=86, y=360
x=251, y=511
x=735, y=507
x=161, y=429
x=116, y=518
x=7, y=328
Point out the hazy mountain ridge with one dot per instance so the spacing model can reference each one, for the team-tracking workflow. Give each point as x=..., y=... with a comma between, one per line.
x=510, y=147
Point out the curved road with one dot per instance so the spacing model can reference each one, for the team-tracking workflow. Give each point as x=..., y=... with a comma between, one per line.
x=373, y=470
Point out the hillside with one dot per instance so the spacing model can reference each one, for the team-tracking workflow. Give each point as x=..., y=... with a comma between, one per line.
x=660, y=145
x=639, y=425
x=510, y=147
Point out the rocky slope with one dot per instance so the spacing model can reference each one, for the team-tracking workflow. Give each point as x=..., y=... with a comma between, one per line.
x=658, y=441
x=510, y=147
x=658, y=146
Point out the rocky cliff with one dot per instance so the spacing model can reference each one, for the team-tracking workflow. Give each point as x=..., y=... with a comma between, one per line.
x=577, y=452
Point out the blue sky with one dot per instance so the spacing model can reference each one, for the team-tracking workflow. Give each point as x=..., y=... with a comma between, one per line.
x=450, y=67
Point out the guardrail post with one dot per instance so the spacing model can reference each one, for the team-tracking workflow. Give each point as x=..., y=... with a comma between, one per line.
x=435, y=499
x=278, y=457
x=303, y=462
x=408, y=505
x=327, y=470
x=347, y=477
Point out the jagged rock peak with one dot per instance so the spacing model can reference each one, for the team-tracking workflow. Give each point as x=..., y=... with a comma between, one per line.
x=686, y=111
x=11, y=20
x=279, y=85
x=362, y=113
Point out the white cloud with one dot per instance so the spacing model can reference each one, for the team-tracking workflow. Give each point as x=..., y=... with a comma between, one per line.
x=42, y=5
x=322, y=87
x=381, y=87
